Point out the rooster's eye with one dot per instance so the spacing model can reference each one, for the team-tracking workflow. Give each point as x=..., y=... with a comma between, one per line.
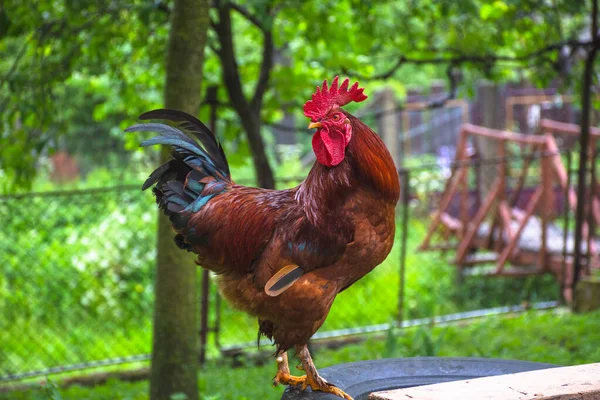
x=336, y=117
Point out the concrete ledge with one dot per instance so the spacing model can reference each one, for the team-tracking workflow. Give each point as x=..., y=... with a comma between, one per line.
x=360, y=379
x=580, y=382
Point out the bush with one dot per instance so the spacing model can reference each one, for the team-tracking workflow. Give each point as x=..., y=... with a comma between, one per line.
x=93, y=251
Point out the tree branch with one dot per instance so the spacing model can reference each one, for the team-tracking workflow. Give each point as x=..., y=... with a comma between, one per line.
x=231, y=74
x=595, y=22
x=213, y=24
x=51, y=29
x=452, y=75
x=214, y=49
x=211, y=42
x=265, y=70
x=461, y=58
x=247, y=14
x=15, y=63
x=230, y=69
x=162, y=6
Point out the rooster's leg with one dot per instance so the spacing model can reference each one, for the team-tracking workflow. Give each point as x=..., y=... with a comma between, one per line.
x=283, y=373
x=312, y=378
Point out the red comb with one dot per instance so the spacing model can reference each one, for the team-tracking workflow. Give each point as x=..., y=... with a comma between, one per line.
x=324, y=99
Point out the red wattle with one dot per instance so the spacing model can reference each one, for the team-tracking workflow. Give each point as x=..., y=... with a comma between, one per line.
x=329, y=146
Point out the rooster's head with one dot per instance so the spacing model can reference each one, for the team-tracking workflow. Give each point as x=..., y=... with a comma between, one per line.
x=334, y=130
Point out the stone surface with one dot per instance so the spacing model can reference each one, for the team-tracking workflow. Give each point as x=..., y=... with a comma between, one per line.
x=581, y=382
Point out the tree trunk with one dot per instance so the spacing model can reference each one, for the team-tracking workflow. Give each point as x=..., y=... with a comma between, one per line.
x=174, y=352
x=248, y=111
x=584, y=148
x=488, y=148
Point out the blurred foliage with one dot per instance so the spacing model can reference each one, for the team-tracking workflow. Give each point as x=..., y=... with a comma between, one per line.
x=73, y=74
x=98, y=245
x=83, y=261
x=72, y=71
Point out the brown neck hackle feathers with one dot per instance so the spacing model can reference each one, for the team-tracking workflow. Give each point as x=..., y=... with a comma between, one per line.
x=325, y=99
x=373, y=161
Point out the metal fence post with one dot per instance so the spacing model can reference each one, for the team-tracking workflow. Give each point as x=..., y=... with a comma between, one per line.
x=590, y=211
x=211, y=98
x=567, y=219
x=405, y=179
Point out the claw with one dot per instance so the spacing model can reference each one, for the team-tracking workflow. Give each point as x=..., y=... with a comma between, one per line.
x=312, y=377
x=340, y=393
x=303, y=382
x=282, y=378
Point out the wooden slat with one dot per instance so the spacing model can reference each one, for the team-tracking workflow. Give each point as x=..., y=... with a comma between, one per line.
x=472, y=261
x=464, y=203
x=546, y=209
x=502, y=135
x=505, y=218
x=513, y=243
x=449, y=188
x=472, y=228
x=498, y=215
x=556, y=127
x=596, y=210
x=561, y=175
x=563, y=128
x=579, y=382
x=444, y=203
x=560, y=172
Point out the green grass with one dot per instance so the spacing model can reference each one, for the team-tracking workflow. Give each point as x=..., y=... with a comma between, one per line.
x=555, y=337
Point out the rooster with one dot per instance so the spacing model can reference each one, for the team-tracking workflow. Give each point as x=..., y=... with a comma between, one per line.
x=282, y=255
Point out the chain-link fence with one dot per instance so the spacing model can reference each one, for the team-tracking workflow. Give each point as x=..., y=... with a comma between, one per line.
x=78, y=269
x=77, y=279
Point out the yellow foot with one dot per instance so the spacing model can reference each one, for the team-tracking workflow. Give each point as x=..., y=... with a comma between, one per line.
x=317, y=384
x=286, y=379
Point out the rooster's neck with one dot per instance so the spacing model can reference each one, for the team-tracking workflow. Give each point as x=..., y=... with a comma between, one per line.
x=325, y=189
x=372, y=162
x=368, y=165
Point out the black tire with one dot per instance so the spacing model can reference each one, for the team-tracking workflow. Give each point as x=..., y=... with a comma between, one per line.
x=359, y=379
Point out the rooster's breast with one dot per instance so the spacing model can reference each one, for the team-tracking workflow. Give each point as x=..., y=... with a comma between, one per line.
x=373, y=238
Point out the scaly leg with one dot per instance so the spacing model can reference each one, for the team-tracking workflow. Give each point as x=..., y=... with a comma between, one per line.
x=283, y=373
x=311, y=378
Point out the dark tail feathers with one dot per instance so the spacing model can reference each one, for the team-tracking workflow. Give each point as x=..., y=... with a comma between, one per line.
x=199, y=168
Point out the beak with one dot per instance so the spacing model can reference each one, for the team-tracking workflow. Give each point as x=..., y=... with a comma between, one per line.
x=313, y=125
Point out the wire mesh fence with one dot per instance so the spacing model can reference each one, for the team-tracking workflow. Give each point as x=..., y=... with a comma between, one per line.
x=78, y=270
x=77, y=277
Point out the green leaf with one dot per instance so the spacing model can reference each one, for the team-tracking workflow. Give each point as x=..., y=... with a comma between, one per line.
x=494, y=10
